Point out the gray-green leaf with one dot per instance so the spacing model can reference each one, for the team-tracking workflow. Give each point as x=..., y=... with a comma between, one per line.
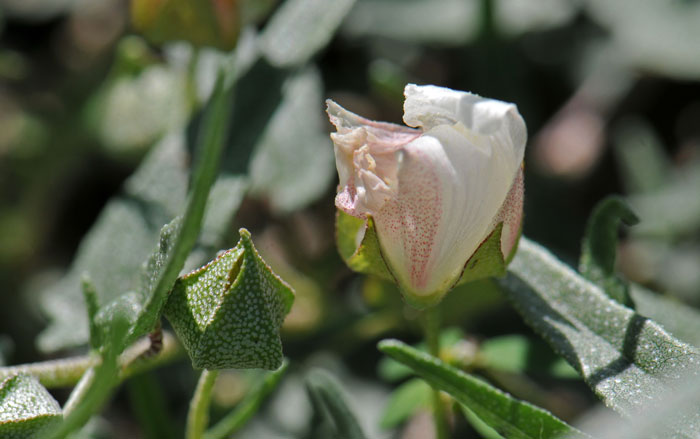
x=508, y=416
x=300, y=28
x=26, y=408
x=627, y=359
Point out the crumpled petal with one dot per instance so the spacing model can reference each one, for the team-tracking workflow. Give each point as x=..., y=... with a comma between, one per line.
x=435, y=193
x=365, y=155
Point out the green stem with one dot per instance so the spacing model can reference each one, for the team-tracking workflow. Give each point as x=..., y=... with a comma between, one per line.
x=432, y=339
x=67, y=372
x=198, y=416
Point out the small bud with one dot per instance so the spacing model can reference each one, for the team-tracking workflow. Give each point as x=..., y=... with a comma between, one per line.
x=228, y=313
x=438, y=204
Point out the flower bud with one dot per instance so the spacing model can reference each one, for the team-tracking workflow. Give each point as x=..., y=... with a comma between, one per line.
x=228, y=313
x=441, y=200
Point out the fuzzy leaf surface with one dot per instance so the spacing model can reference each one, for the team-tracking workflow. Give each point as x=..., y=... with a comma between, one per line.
x=26, y=408
x=626, y=358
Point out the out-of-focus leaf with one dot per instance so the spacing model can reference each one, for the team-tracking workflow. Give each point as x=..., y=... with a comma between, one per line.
x=627, y=359
x=515, y=17
x=327, y=397
x=652, y=35
x=641, y=156
x=179, y=237
x=293, y=163
x=120, y=240
x=258, y=94
x=405, y=401
x=444, y=21
x=97, y=383
x=128, y=228
x=36, y=11
x=300, y=28
x=505, y=414
x=453, y=22
x=516, y=353
x=679, y=319
x=126, y=319
x=673, y=210
x=137, y=110
x=228, y=313
x=149, y=406
x=392, y=370
x=678, y=404
x=27, y=409
x=597, y=262
x=214, y=23
x=248, y=407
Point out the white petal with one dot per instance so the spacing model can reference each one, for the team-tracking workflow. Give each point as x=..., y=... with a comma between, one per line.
x=450, y=190
x=430, y=106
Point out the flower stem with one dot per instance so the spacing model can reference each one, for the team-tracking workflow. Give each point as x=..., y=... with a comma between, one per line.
x=198, y=416
x=432, y=339
x=67, y=372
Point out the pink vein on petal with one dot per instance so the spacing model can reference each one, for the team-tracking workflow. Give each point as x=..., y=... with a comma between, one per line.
x=412, y=219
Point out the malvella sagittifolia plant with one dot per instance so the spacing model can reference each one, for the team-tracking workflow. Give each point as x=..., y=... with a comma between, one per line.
x=435, y=203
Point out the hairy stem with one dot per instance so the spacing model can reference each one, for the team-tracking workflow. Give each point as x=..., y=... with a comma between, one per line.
x=198, y=416
x=67, y=372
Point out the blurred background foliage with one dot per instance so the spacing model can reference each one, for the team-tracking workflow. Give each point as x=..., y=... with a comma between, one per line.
x=91, y=90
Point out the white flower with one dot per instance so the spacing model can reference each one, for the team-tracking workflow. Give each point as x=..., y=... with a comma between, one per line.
x=435, y=191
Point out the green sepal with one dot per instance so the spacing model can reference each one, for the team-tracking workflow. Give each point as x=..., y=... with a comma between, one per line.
x=228, y=313
x=487, y=260
x=27, y=409
x=366, y=257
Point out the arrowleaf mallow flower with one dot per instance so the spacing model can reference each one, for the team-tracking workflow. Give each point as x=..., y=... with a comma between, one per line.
x=436, y=203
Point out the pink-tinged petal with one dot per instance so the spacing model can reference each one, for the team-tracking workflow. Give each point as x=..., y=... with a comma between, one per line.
x=437, y=193
x=366, y=158
x=449, y=193
x=511, y=215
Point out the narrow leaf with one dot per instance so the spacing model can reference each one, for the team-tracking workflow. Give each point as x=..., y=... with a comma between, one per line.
x=210, y=144
x=600, y=245
x=625, y=358
x=328, y=398
x=508, y=416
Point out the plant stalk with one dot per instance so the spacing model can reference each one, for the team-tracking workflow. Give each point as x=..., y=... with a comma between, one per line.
x=432, y=339
x=198, y=416
x=67, y=372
